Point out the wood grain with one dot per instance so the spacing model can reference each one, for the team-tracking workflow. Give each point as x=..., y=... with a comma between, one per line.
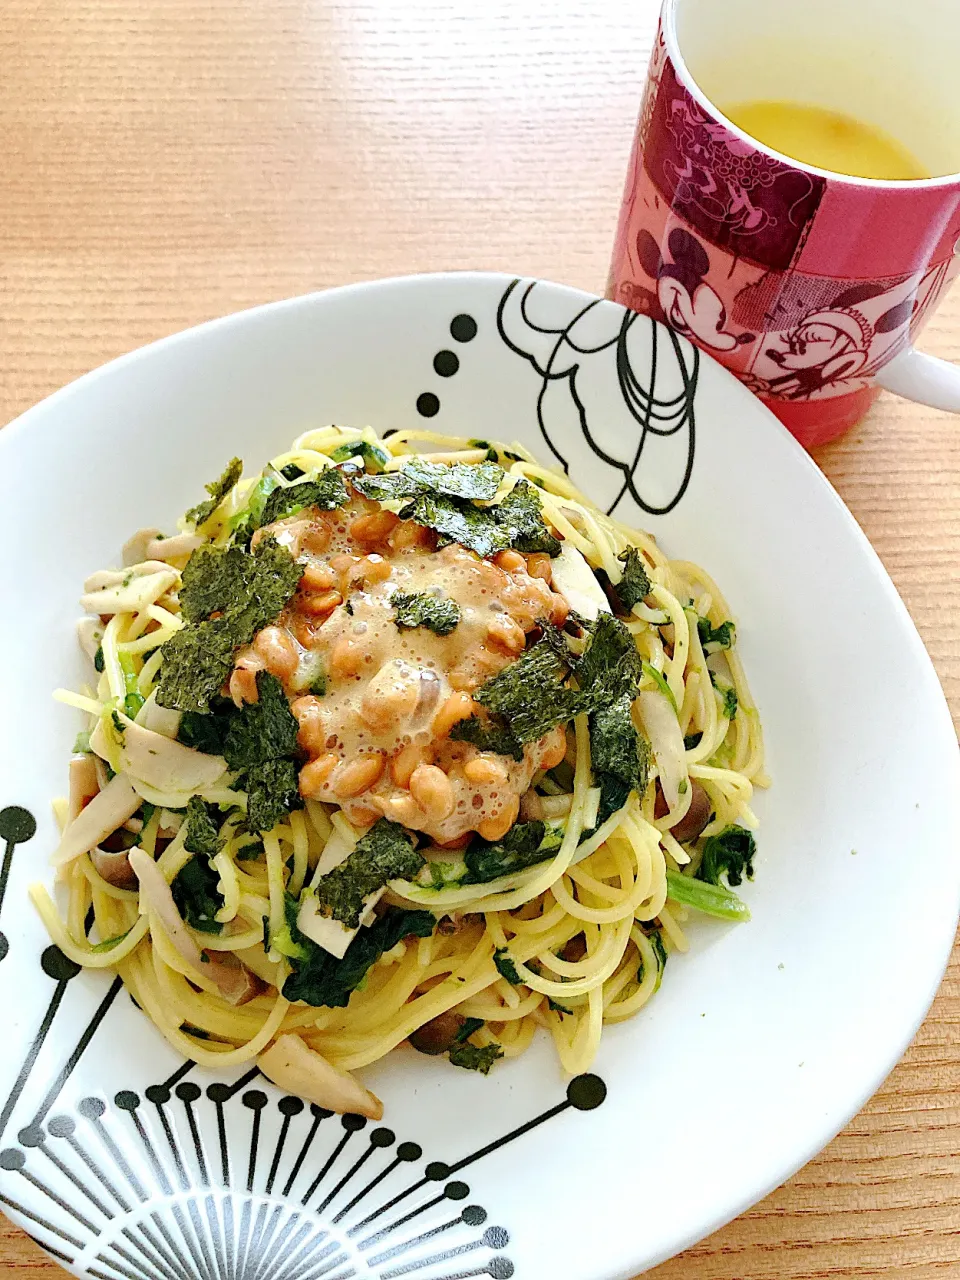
x=164, y=161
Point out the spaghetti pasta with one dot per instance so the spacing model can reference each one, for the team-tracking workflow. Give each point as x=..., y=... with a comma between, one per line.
x=535, y=868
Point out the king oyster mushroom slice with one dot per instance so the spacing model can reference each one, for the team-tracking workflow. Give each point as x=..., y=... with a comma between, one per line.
x=135, y=548
x=84, y=784
x=110, y=591
x=109, y=809
x=90, y=633
x=158, y=719
x=115, y=868
x=229, y=975
x=160, y=762
x=175, y=548
x=307, y=1074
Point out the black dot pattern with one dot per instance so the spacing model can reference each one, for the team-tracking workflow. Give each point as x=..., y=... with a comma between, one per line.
x=446, y=363
x=428, y=405
x=17, y=824
x=463, y=328
x=587, y=1092
x=58, y=966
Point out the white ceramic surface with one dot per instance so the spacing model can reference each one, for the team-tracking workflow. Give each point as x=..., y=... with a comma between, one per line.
x=762, y=1042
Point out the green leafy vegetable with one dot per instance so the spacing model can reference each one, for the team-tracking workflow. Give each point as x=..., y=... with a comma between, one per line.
x=196, y=892
x=81, y=743
x=634, y=582
x=660, y=952
x=250, y=852
x=692, y=740
x=493, y=734
x=327, y=492
x=562, y=1009
x=713, y=639
x=660, y=680
x=246, y=591
x=375, y=459
x=133, y=699
x=506, y=966
x=417, y=477
x=729, y=702
x=98, y=659
x=417, y=609
x=730, y=852
x=203, y=834
x=474, y=1057
x=385, y=853
x=98, y=948
x=712, y=900
x=319, y=979
x=217, y=490
x=288, y=940
x=530, y=694
x=261, y=744
x=619, y=755
x=318, y=685
x=524, y=845
x=470, y=1025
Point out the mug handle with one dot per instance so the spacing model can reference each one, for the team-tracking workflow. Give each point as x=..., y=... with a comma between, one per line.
x=923, y=378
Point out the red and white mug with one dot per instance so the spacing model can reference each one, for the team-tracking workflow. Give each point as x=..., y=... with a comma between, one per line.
x=810, y=286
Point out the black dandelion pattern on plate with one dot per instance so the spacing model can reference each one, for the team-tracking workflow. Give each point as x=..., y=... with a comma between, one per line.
x=190, y=1180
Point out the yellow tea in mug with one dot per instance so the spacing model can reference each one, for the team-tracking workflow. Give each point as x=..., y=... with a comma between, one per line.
x=826, y=139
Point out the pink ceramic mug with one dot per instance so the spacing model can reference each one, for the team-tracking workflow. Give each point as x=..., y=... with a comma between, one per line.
x=808, y=285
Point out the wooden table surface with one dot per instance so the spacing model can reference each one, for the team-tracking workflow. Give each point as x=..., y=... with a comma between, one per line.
x=165, y=161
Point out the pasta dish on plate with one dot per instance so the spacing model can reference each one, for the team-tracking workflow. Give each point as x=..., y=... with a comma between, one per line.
x=401, y=740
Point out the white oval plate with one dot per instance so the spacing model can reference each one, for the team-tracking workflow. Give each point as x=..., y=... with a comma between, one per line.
x=128, y=1164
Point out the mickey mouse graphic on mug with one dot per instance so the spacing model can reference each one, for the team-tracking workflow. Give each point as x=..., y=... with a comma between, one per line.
x=685, y=300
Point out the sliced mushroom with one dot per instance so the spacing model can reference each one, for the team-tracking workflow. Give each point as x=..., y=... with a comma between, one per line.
x=117, y=577
x=140, y=591
x=115, y=868
x=237, y=984
x=162, y=720
x=663, y=729
x=175, y=548
x=158, y=761
x=90, y=633
x=135, y=548
x=307, y=1074
x=439, y=1034
x=256, y=960
x=531, y=806
x=84, y=784
x=108, y=810
x=156, y=894
x=574, y=949
x=697, y=816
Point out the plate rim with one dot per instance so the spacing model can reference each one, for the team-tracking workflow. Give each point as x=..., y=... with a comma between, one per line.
x=794, y=457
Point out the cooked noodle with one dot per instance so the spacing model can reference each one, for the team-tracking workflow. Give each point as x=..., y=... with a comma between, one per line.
x=610, y=889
